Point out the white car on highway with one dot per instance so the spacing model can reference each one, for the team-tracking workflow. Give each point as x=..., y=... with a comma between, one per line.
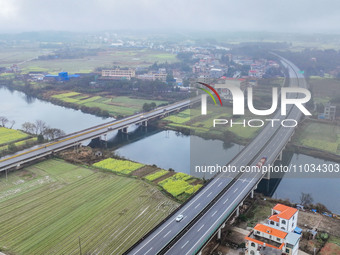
x=179, y=217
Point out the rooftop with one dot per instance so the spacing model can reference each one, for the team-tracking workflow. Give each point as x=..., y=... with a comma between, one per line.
x=264, y=242
x=292, y=238
x=286, y=212
x=274, y=218
x=269, y=230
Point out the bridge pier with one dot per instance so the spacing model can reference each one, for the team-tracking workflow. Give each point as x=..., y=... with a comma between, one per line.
x=219, y=232
x=237, y=211
x=76, y=147
x=105, y=140
x=280, y=155
x=267, y=176
x=124, y=130
x=145, y=123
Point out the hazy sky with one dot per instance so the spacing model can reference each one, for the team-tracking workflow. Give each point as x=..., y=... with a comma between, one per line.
x=227, y=15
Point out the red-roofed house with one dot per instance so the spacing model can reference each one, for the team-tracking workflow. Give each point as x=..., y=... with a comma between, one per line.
x=284, y=217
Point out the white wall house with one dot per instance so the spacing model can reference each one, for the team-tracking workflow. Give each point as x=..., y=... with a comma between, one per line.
x=284, y=217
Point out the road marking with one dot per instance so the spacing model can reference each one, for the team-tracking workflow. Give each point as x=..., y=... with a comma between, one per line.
x=213, y=214
x=226, y=201
x=243, y=180
x=148, y=250
x=197, y=205
x=209, y=194
x=219, y=184
x=200, y=228
x=185, y=244
x=235, y=190
x=167, y=234
x=189, y=252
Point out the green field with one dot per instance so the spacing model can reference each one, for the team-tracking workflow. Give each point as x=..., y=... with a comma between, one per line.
x=178, y=185
x=203, y=125
x=18, y=138
x=156, y=175
x=118, y=166
x=47, y=207
x=318, y=135
x=11, y=135
x=114, y=105
x=108, y=59
x=30, y=141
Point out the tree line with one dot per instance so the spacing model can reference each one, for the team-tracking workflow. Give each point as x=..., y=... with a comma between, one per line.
x=42, y=130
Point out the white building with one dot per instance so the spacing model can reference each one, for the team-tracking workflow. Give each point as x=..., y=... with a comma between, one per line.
x=119, y=74
x=283, y=217
x=267, y=240
x=276, y=237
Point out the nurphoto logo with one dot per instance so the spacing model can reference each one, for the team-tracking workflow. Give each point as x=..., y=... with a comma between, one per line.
x=289, y=96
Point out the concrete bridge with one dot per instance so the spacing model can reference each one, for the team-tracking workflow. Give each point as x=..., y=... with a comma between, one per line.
x=75, y=139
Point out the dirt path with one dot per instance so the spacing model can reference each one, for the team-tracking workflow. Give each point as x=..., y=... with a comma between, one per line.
x=241, y=231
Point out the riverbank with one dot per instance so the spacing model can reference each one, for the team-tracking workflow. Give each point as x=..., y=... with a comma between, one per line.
x=318, y=138
x=312, y=137
x=190, y=121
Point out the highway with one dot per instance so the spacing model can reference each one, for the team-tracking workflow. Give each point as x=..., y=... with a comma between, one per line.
x=203, y=229
x=42, y=150
x=212, y=205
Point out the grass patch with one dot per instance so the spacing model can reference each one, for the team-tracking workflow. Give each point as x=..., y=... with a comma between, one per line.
x=121, y=57
x=332, y=246
x=203, y=124
x=118, y=166
x=177, y=185
x=319, y=135
x=114, y=105
x=11, y=135
x=154, y=176
x=258, y=213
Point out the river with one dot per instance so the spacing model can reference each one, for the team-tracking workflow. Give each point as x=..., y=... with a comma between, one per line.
x=167, y=149
x=21, y=108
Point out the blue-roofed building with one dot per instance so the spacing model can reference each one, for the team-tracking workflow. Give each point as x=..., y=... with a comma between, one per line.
x=62, y=76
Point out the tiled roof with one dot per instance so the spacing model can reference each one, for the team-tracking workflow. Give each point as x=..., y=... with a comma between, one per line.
x=274, y=218
x=286, y=212
x=269, y=230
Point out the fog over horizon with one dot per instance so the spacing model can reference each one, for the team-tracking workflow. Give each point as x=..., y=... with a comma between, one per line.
x=303, y=16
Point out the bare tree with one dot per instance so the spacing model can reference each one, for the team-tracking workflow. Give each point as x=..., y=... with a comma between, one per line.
x=53, y=133
x=306, y=198
x=12, y=124
x=28, y=127
x=3, y=121
x=40, y=127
